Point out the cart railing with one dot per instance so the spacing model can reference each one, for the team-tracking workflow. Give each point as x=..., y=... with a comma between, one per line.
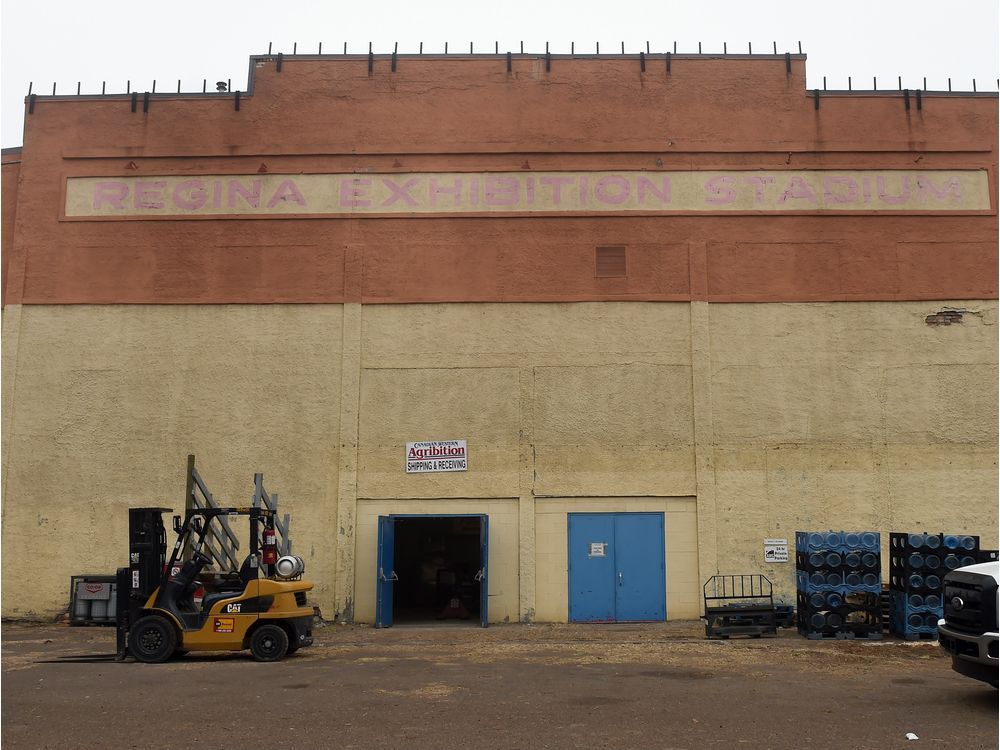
x=737, y=587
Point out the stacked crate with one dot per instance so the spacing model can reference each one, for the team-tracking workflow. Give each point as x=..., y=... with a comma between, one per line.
x=839, y=583
x=917, y=566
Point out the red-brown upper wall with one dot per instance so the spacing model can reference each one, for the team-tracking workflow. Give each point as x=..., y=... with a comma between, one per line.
x=10, y=167
x=468, y=114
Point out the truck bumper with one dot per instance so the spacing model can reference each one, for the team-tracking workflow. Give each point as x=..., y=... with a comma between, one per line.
x=974, y=656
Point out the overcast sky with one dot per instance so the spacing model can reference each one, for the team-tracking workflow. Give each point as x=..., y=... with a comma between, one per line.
x=65, y=42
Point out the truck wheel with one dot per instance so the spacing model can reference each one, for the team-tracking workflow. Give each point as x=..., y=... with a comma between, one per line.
x=153, y=639
x=269, y=643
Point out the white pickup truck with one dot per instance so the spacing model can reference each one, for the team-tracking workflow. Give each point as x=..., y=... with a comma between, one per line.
x=969, y=630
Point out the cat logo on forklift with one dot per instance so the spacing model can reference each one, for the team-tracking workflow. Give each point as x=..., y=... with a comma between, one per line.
x=232, y=608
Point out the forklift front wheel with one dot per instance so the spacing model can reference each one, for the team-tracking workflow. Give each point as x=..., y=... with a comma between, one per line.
x=269, y=643
x=153, y=639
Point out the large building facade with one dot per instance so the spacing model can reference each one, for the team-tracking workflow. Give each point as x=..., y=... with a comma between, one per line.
x=656, y=309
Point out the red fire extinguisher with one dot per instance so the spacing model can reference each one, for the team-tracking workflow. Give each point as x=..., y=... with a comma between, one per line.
x=270, y=549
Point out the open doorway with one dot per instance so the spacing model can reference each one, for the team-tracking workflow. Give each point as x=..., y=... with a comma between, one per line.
x=436, y=570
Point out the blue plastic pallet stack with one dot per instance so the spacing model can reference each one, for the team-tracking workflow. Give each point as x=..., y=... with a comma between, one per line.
x=839, y=583
x=917, y=566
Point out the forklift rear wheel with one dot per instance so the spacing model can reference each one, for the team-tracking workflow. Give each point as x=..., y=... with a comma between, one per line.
x=269, y=643
x=153, y=639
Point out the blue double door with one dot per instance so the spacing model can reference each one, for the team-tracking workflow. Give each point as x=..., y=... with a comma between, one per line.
x=616, y=567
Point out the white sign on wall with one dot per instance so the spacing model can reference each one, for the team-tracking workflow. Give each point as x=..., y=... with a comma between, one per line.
x=775, y=550
x=437, y=455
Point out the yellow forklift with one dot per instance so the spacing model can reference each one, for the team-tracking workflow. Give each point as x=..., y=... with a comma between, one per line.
x=261, y=606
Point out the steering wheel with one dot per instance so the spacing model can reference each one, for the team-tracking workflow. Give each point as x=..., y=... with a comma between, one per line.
x=201, y=560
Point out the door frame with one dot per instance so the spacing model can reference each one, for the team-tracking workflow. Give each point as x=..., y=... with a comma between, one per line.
x=383, y=619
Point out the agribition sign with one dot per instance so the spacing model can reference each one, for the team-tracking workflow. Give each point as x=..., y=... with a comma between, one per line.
x=526, y=193
x=437, y=455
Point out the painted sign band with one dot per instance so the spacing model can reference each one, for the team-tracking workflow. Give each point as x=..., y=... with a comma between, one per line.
x=520, y=193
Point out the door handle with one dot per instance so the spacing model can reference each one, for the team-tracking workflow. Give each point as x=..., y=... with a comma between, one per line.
x=480, y=574
x=621, y=579
x=392, y=575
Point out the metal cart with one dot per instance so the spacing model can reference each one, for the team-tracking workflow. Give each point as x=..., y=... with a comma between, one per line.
x=739, y=605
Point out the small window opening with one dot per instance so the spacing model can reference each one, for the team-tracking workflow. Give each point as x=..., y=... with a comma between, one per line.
x=610, y=262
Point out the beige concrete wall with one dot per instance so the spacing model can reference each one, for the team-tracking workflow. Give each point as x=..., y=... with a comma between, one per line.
x=573, y=399
x=680, y=550
x=110, y=400
x=603, y=378
x=851, y=416
x=503, y=554
x=798, y=416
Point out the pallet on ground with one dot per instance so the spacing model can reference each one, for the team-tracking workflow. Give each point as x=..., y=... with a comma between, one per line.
x=861, y=634
x=925, y=635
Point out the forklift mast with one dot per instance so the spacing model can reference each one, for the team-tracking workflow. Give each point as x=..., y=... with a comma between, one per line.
x=147, y=554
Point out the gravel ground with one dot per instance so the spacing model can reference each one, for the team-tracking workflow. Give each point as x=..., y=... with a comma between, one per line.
x=511, y=686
